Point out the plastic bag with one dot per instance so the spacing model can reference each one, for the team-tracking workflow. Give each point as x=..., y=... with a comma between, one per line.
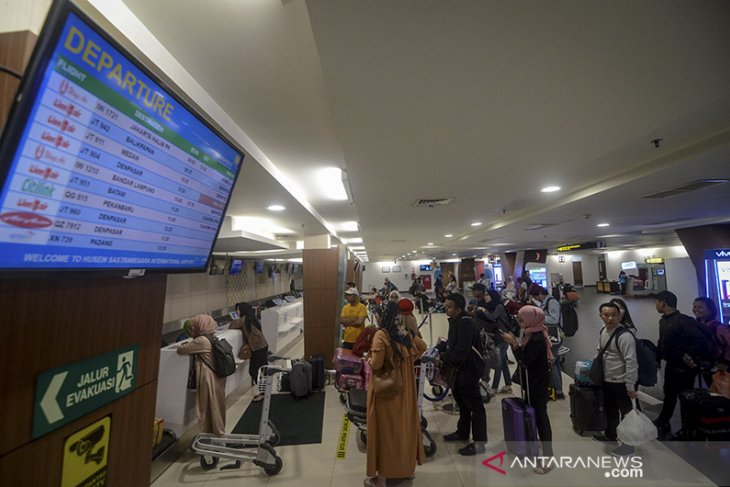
x=721, y=383
x=636, y=429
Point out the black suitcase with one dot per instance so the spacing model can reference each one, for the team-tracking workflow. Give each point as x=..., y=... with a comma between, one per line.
x=586, y=408
x=317, y=362
x=704, y=416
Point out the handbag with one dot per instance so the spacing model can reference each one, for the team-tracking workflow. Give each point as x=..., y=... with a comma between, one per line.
x=245, y=352
x=517, y=376
x=596, y=372
x=388, y=381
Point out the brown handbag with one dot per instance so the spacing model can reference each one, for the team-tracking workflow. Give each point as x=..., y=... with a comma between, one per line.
x=388, y=380
x=245, y=352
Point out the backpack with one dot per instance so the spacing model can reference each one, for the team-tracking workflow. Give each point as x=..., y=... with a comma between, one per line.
x=570, y=319
x=364, y=341
x=224, y=362
x=488, y=350
x=646, y=353
x=300, y=379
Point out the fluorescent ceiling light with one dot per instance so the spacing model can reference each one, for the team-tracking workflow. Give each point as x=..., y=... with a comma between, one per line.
x=275, y=208
x=550, y=189
x=449, y=235
x=300, y=244
x=260, y=226
x=476, y=224
x=296, y=259
x=347, y=226
x=429, y=243
x=357, y=247
x=330, y=183
x=603, y=225
x=352, y=240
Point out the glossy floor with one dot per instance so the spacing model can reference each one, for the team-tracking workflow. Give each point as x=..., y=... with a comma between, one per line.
x=317, y=465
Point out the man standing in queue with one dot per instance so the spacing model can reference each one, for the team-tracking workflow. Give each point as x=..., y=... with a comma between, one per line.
x=352, y=318
x=461, y=352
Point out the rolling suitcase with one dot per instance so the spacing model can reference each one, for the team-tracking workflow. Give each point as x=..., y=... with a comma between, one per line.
x=520, y=425
x=705, y=417
x=317, y=362
x=346, y=362
x=586, y=408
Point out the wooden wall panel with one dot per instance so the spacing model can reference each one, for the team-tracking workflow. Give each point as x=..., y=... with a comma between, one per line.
x=321, y=301
x=466, y=272
x=15, y=51
x=52, y=322
x=40, y=463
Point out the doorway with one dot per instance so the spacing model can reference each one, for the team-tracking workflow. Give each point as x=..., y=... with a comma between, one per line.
x=578, y=273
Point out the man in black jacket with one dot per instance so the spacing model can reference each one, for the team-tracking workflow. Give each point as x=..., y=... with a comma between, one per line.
x=683, y=346
x=461, y=351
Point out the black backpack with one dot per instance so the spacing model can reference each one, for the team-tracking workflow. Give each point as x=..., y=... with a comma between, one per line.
x=224, y=362
x=646, y=353
x=570, y=319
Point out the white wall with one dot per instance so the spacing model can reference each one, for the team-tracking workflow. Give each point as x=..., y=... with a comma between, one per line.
x=18, y=15
x=682, y=281
x=374, y=275
x=615, y=257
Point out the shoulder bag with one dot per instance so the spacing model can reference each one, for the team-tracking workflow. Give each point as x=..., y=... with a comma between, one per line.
x=596, y=372
x=387, y=381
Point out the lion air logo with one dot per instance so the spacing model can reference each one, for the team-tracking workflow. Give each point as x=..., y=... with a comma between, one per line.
x=24, y=219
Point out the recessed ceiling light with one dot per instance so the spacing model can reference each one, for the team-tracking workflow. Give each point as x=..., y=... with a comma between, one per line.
x=352, y=240
x=476, y=224
x=603, y=225
x=275, y=208
x=429, y=243
x=449, y=235
x=453, y=254
x=550, y=189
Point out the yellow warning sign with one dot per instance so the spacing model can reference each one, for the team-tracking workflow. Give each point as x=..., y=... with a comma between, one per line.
x=85, y=455
x=342, y=443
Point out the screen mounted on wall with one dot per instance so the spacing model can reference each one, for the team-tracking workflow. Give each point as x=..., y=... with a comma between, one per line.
x=102, y=166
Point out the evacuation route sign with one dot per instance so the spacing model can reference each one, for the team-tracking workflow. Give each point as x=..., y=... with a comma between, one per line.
x=66, y=393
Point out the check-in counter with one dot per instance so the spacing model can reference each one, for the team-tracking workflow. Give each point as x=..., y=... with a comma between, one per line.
x=283, y=324
x=175, y=403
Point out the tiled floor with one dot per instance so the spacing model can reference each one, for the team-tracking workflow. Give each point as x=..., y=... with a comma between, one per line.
x=316, y=465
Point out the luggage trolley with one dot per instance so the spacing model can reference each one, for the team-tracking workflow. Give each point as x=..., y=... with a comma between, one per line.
x=212, y=448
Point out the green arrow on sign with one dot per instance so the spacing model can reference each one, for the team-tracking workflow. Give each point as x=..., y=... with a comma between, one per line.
x=66, y=393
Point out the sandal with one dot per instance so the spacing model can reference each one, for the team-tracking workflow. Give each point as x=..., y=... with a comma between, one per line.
x=257, y=398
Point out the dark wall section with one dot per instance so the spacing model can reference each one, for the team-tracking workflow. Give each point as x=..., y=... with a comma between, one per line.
x=698, y=239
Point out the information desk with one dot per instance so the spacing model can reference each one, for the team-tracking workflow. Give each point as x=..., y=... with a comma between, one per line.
x=175, y=403
x=610, y=287
x=283, y=324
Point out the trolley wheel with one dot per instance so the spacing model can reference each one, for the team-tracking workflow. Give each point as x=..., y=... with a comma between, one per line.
x=424, y=422
x=364, y=437
x=429, y=446
x=275, y=468
x=208, y=465
x=343, y=398
x=275, y=436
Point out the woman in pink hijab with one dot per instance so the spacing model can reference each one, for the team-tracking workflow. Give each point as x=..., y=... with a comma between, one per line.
x=534, y=357
x=211, y=394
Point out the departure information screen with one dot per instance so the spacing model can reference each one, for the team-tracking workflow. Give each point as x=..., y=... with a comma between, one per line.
x=109, y=170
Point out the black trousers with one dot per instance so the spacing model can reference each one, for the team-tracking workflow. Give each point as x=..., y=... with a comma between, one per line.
x=259, y=358
x=675, y=381
x=472, y=415
x=544, y=430
x=615, y=401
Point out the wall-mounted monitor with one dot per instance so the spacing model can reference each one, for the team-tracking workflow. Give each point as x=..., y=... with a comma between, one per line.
x=236, y=267
x=426, y=268
x=628, y=265
x=102, y=165
x=258, y=267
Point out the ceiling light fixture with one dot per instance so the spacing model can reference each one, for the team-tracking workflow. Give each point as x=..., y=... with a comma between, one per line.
x=476, y=224
x=331, y=183
x=429, y=243
x=449, y=235
x=603, y=224
x=275, y=208
x=550, y=189
x=352, y=240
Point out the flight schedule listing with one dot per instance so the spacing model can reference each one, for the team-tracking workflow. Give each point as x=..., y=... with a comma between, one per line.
x=111, y=171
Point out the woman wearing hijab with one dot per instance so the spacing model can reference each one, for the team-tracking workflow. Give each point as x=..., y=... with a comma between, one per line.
x=395, y=442
x=406, y=307
x=253, y=338
x=533, y=354
x=211, y=389
x=496, y=313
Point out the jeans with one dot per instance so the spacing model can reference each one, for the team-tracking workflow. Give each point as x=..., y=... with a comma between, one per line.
x=502, y=369
x=557, y=370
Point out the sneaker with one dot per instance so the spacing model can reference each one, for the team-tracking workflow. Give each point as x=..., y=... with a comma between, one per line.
x=455, y=436
x=604, y=439
x=473, y=448
x=663, y=429
x=491, y=392
x=506, y=390
x=623, y=450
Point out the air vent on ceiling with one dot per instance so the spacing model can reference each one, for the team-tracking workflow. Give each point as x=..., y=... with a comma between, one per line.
x=432, y=203
x=538, y=226
x=693, y=186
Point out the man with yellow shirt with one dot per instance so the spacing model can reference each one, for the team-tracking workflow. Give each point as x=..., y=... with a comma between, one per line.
x=352, y=318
